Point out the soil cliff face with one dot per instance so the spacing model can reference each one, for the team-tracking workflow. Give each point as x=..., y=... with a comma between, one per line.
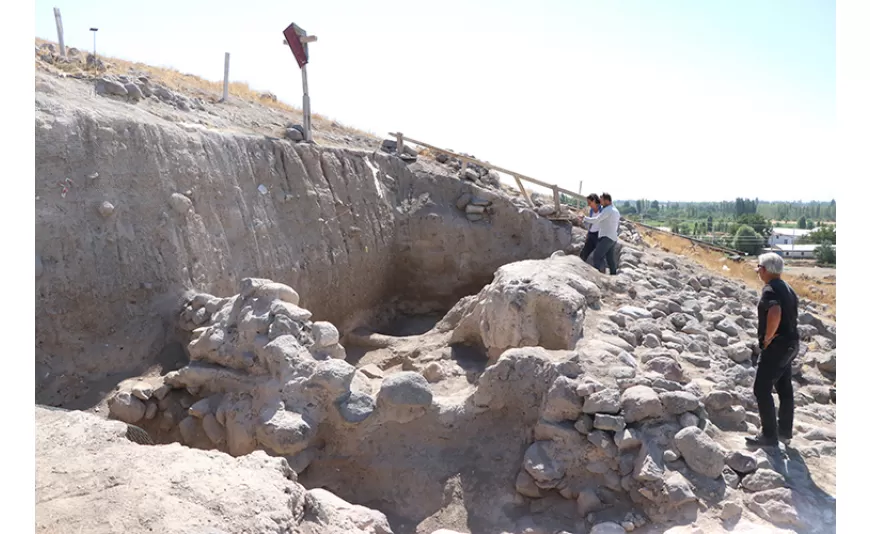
x=133, y=211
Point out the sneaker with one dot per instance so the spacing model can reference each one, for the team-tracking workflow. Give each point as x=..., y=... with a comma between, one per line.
x=785, y=439
x=761, y=441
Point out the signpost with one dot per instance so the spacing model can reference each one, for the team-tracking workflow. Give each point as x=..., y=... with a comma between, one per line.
x=298, y=40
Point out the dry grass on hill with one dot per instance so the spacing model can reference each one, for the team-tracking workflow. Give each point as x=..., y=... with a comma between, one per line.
x=192, y=85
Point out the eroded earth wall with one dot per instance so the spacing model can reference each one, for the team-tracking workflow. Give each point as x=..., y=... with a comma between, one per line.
x=133, y=211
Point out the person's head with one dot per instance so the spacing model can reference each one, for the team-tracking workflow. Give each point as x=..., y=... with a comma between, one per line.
x=593, y=201
x=605, y=199
x=770, y=266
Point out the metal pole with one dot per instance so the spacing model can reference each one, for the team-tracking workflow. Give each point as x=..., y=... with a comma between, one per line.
x=306, y=105
x=226, y=77
x=59, y=32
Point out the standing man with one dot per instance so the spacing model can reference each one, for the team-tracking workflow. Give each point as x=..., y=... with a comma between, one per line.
x=608, y=228
x=592, y=228
x=779, y=341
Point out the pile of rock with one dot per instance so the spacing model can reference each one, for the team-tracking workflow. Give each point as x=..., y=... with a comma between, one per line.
x=475, y=207
x=391, y=147
x=629, y=234
x=529, y=303
x=135, y=89
x=262, y=375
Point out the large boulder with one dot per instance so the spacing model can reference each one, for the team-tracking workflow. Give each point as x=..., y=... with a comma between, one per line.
x=517, y=382
x=404, y=396
x=530, y=303
x=641, y=402
x=702, y=454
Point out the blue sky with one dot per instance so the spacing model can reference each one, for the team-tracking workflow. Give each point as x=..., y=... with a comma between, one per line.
x=664, y=99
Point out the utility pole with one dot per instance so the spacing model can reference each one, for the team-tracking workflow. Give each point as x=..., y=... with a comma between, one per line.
x=298, y=40
x=59, y=23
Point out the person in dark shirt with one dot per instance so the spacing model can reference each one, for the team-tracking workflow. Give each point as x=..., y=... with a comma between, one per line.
x=779, y=341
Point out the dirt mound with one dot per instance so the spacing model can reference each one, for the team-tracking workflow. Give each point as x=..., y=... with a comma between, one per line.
x=172, y=489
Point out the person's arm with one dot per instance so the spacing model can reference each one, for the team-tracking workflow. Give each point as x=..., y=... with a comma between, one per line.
x=603, y=215
x=774, y=316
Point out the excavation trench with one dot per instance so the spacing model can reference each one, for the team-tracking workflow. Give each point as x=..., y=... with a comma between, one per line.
x=377, y=247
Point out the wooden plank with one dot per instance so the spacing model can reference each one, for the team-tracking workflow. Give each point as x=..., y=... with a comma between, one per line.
x=468, y=159
x=523, y=191
x=400, y=144
x=556, y=201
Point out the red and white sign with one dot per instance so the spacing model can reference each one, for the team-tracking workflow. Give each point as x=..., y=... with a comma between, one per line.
x=294, y=36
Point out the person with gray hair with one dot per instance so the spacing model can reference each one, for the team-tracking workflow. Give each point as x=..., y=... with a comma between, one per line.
x=779, y=341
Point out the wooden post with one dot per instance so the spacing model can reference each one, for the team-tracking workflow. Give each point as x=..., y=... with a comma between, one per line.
x=523, y=191
x=556, y=201
x=226, y=77
x=59, y=32
x=462, y=170
x=306, y=105
x=400, y=144
x=580, y=190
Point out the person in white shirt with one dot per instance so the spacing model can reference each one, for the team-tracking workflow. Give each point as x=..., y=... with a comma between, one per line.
x=608, y=229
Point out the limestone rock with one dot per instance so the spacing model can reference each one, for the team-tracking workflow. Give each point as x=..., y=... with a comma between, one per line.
x=325, y=334
x=739, y=352
x=613, y=423
x=678, y=402
x=776, y=506
x=127, y=408
x=530, y=303
x=563, y=402
x=606, y=401
x=180, y=203
x=338, y=515
x=357, y=407
x=285, y=433
x=741, y=462
x=525, y=485
x=106, y=209
x=404, y=396
x=608, y=527
x=761, y=480
x=540, y=464
x=702, y=454
x=142, y=390
x=641, y=402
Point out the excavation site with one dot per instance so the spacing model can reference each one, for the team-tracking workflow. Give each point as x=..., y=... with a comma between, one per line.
x=238, y=331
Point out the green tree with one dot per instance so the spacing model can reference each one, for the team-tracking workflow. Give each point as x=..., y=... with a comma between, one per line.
x=710, y=223
x=802, y=223
x=654, y=205
x=822, y=234
x=746, y=239
x=759, y=223
x=826, y=254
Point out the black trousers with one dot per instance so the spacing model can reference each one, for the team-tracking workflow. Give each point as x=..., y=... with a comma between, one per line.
x=604, y=251
x=589, y=245
x=774, y=371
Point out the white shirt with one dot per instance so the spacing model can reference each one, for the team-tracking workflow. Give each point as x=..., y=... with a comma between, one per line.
x=593, y=226
x=607, y=221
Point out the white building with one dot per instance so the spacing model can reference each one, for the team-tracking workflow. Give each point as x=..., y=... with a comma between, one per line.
x=795, y=251
x=786, y=236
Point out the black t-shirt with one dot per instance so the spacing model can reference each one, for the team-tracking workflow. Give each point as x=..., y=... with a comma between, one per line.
x=778, y=292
